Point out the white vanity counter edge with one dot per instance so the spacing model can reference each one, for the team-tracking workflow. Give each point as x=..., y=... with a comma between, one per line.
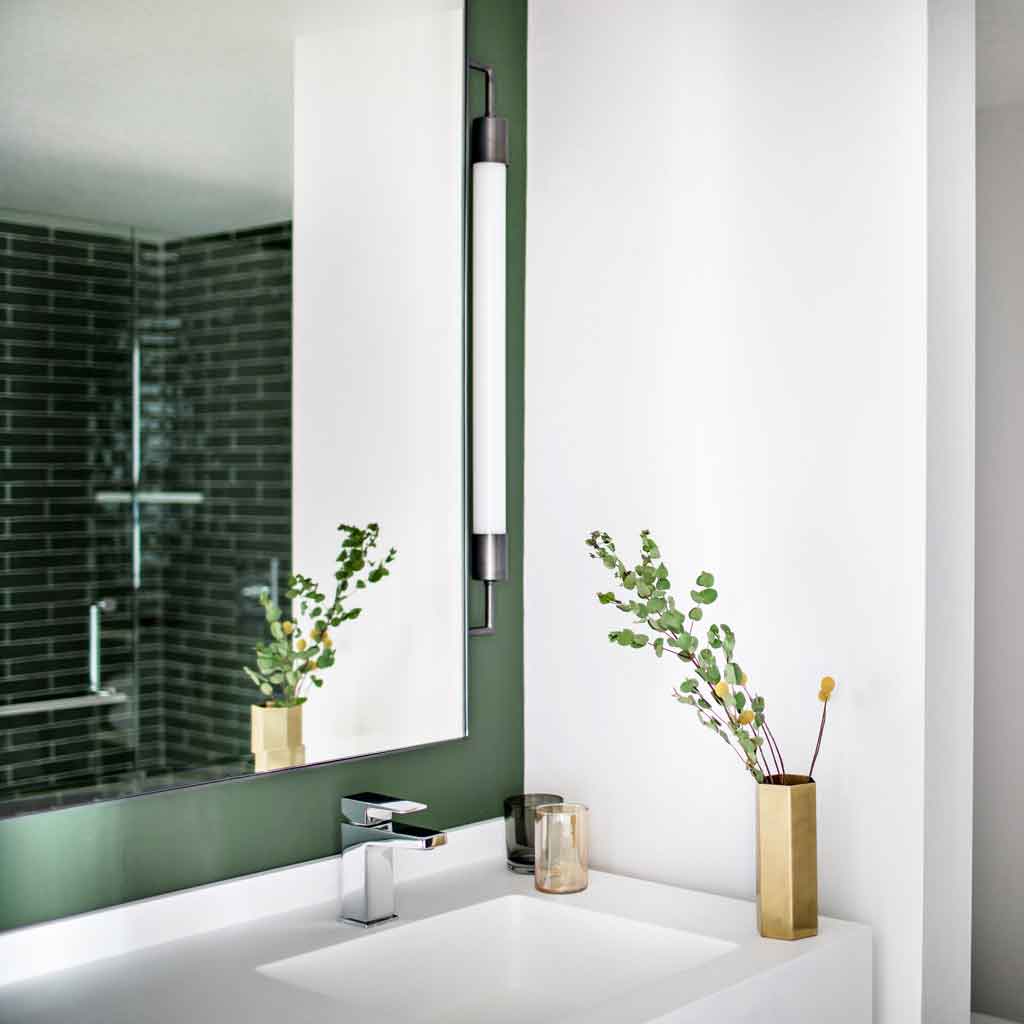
x=268, y=947
x=130, y=927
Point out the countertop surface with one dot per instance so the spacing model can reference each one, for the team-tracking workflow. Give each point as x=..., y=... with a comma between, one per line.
x=215, y=976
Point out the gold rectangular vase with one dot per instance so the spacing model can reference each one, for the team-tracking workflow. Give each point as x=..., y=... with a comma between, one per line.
x=787, y=858
x=277, y=738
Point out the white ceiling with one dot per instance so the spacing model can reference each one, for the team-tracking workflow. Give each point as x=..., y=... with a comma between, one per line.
x=175, y=115
x=169, y=115
x=1000, y=43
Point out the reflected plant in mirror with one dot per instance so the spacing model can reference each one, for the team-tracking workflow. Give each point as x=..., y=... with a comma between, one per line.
x=290, y=662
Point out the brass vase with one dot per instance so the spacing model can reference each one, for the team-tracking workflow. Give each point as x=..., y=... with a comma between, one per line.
x=787, y=858
x=277, y=737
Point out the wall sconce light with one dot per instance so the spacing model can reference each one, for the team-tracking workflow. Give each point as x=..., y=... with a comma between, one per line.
x=489, y=159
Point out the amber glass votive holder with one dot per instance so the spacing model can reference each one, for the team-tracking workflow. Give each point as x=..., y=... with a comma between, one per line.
x=562, y=838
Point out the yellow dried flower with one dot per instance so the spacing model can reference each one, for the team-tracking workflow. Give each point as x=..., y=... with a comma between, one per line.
x=823, y=696
x=327, y=641
x=746, y=716
x=828, y=684
x=301, y=645
x=722, y=689
x=744, y=678
x=287, y=627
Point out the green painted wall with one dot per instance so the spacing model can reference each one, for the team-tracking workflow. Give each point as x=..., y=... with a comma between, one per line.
x=65, y=862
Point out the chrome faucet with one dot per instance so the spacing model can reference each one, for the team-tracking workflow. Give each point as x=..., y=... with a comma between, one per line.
x=368, y=840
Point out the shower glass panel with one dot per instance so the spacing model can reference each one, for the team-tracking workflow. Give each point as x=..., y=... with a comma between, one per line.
x=67, y=312
x=215, y=488
x=147, y=460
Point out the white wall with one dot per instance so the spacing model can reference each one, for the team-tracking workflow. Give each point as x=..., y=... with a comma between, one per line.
x=378, y=368
x=949, y=657
x=998, y=817
x=727, y=324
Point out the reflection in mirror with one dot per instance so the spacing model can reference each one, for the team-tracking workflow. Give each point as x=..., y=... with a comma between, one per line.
x=231, y=318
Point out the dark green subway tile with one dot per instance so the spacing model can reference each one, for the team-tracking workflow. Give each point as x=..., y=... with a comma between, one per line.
x=39, y=247
x=49, y=317
x=86, y=237
x=117, y=254
x=10, y=227
x=33, y=264
x=119, y=272
x=48, y=283
x=22, y=297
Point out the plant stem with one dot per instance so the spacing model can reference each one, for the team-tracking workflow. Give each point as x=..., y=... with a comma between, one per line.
x=817, y=747
x=733, y=723
x=776, y=753
x=701, y=711
x=764, y=757
x=764, y=726
x=771, y=750
x=764, y=763
x=774, y=747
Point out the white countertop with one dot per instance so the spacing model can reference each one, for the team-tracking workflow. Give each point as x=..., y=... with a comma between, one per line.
x=213, y=976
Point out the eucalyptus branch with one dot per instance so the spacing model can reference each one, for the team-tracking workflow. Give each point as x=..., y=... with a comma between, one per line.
x=718, y=679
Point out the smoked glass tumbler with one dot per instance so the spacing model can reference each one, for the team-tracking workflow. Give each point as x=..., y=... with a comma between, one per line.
x=520, y=815
x=563, y=848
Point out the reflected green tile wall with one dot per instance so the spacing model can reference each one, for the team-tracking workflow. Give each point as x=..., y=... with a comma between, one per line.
x=70, y=861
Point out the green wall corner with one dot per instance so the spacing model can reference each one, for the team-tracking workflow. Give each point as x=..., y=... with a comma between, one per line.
x=71, y=861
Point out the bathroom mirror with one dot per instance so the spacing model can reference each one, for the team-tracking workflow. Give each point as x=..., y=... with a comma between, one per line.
x=231, y=262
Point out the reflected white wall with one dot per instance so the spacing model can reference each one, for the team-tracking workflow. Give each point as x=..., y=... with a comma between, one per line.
x=378, y=368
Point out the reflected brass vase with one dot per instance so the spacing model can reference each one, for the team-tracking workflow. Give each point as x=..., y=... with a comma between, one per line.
x=787, y=858
x=277, y=737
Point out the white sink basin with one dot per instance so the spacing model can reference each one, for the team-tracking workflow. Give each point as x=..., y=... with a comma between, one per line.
x=513, y=959
x=473, y=942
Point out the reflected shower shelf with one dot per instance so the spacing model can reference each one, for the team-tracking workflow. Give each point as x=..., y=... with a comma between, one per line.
x=87, y=700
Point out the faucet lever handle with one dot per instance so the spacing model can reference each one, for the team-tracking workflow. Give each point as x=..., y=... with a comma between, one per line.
x=376, y=808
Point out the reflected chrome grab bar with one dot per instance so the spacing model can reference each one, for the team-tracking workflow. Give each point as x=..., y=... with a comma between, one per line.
x=150, y=497
x=32, y=707
x=97, y=695
x=107, y=604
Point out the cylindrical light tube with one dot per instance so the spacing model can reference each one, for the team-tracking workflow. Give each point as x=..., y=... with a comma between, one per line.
x=489, y=157
x=489, y=516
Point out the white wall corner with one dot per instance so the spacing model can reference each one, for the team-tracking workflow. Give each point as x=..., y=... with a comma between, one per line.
x=949, y=655
x=996, y=925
